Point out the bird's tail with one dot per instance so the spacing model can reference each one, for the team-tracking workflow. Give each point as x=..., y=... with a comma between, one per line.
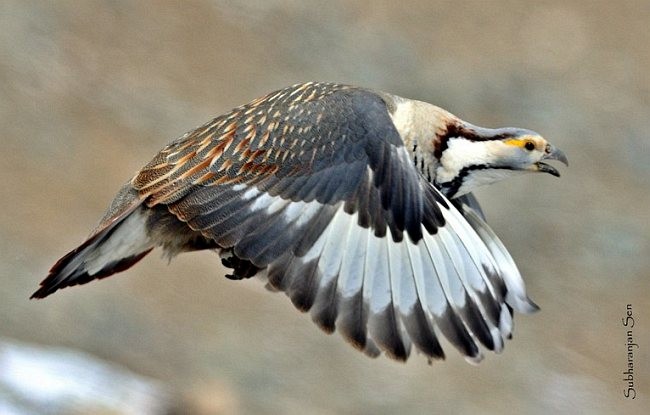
x=119, y=242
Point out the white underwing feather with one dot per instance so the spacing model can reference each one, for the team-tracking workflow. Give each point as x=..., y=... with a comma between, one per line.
x=352, y=266
x=516, y=296
x=377, y=288
x=445, y=272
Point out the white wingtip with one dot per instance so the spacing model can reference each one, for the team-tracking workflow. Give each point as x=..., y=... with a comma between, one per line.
x=521, y=303
x=474, y=360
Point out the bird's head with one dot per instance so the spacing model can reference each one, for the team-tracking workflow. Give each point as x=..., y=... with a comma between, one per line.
x=477, y=156
x=528, y=152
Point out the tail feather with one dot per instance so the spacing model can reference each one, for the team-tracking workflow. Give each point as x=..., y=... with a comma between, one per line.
x=116, y=245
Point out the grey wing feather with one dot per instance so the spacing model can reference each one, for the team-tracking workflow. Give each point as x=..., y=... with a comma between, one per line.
x=471, y=202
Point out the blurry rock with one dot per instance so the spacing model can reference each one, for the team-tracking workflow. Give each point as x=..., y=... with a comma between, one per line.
x=45, y=380
x=211, y=398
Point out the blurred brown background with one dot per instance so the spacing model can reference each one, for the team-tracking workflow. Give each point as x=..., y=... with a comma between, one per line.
x=90, y=90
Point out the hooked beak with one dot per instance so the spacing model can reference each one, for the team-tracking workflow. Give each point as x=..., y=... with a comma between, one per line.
x=552, y=153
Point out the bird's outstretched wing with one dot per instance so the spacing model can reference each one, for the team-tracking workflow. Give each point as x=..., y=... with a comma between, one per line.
x=313, y=186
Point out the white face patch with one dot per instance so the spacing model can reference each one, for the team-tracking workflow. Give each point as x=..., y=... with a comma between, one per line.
x=477, y=178
x=475, y=157
x=462, y=153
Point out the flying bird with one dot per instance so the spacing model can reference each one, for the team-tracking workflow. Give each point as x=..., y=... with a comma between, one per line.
x=356, y=203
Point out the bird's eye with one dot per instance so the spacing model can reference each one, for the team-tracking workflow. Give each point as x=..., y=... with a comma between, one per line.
x=530, y=146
